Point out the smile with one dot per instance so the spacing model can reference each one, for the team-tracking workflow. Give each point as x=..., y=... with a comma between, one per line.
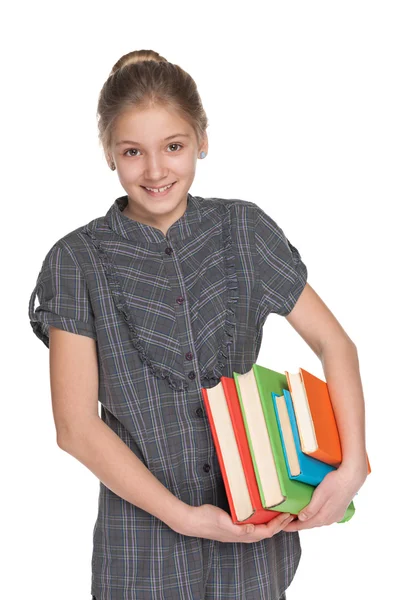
x=159, y=191
x=162, y=189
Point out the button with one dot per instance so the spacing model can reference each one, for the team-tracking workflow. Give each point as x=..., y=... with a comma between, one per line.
x=199, y=411
x=188, y=356
x=206, y=467
x=168, y=250
x=180, y=299
x=192, y=375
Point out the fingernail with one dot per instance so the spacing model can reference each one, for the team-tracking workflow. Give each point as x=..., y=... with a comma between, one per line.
x=249, y=528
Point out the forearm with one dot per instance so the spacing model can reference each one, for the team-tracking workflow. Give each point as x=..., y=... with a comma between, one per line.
x=96, y=446
x=341, y=367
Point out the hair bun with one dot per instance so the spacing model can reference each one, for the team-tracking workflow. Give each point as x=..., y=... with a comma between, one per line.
x=144, y=79
x=137, y=56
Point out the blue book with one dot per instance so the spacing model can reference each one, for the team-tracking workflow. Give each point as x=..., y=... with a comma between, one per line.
x=300, y=466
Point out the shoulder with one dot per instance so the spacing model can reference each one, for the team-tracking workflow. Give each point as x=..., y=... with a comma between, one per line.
x=238, y=208
x=76, y=243
x=244, y=215
x=211, y=202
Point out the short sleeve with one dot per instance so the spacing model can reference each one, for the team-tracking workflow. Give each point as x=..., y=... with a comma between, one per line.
x=63, y=297
x=282, y=273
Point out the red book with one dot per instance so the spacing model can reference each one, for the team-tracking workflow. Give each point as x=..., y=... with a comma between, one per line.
x=225, y=416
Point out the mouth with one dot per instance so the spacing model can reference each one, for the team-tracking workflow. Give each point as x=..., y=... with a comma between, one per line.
x=159, y=194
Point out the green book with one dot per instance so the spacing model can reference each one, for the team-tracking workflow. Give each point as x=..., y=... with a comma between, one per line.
x=277, y=490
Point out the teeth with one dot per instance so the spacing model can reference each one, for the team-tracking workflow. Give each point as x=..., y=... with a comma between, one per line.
x=160, y=189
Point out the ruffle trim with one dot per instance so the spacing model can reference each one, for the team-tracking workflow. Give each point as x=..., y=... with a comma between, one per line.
x=175, y=383
x=213, y=375
x=210, y=376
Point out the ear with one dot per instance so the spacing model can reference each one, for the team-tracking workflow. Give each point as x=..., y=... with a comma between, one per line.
x=204, y=144
x=109, y=159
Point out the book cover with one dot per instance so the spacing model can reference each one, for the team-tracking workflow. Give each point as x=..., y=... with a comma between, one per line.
x=297, y=494
x=223, y=412
x=308, y=470
x=315, y=417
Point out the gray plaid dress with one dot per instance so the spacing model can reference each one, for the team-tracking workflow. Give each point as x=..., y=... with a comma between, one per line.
x=171, y=314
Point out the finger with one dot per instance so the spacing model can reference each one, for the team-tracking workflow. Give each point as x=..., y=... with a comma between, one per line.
x=318, y=500
x=299, y=525
x=309, y=511
x=282, y=524
x=272, y=527
x=276, y=522
x=295, y=525
x=283, y=517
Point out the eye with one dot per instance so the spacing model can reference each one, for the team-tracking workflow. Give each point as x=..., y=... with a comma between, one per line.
x=125, y=153
x=174, y=144
x=136, y=150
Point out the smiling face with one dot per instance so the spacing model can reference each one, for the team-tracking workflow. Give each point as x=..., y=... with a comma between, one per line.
x=155, y=147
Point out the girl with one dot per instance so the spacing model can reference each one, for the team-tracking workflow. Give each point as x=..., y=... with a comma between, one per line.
x=143, y=307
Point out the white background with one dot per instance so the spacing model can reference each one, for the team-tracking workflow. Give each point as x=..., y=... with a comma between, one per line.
x=303, y=102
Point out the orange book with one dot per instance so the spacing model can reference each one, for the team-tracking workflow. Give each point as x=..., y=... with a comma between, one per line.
x=226, y=423
x=319, y=435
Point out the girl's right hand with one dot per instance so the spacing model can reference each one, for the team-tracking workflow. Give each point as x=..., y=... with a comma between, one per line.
x=213, y=523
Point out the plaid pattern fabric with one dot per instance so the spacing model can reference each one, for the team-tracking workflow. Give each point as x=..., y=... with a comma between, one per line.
x=171, y=314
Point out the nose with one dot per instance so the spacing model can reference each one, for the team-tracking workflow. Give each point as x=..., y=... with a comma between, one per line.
x=155, y=168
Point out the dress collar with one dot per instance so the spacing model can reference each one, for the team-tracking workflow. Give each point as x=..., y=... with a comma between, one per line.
x=130, y=229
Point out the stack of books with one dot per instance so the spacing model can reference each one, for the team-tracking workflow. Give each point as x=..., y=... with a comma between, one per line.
x=276, y=438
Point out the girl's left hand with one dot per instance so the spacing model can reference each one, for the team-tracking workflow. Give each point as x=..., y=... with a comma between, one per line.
x=330, y=498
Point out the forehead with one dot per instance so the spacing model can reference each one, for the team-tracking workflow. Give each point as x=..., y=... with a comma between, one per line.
x=149, y=124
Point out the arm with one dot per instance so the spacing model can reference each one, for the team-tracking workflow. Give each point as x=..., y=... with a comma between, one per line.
x=81, y=432
x=312, y=319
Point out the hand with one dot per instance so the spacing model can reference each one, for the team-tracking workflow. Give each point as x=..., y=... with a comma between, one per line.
x=213, y=523
x=330, y=498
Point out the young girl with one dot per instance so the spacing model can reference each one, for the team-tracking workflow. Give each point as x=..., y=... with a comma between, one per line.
x=143, y=307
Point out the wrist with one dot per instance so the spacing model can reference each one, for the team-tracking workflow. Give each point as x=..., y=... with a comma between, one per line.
x=181, y=518
x=354, y=470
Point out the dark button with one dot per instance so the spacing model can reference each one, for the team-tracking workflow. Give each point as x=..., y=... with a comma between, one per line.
x=206, y=467
x=168, y=250
x=188, y=356
x=192, y=375
x=199, y=411
x=180, y=299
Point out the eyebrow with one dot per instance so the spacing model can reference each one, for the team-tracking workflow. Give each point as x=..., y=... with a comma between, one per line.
x=175, y=135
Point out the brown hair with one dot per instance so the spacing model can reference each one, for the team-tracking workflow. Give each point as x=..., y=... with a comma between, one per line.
x=141, y=79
